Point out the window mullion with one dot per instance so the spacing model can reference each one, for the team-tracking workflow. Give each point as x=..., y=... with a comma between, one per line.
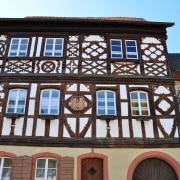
x=54, y=42
x=139, y=102
x=16, y=104
x=19, y=43
x=49, y=102
x=1, y=167
x=106, y=111
x=46, y=169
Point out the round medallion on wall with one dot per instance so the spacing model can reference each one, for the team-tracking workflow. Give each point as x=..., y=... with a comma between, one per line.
x=48, y=66
x=78, y=103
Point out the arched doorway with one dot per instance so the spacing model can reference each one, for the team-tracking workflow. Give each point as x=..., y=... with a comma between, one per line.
x=153, y=162
x=154, y=169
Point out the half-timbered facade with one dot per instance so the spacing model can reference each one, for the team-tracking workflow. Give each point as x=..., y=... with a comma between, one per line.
x=85, y=98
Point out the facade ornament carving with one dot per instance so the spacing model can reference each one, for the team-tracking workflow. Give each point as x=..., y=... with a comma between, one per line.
x=78, y=103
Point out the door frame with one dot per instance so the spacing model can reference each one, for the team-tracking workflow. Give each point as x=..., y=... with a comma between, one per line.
x=153, y=154
x=93, y=155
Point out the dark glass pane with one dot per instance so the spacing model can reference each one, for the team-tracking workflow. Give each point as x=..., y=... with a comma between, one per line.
x=101, y=95
x=135, y=112
x=13, y=54
x=41, y=163
x=48, y=54
x=110, y=103
x=101, y=103
x=134, y=96
x=131, y=49
x=54, y=111
x=58, y=47
x=51, y=174
x=101, y=112
x=12, y=102
x=110, y=95
x=58, y=41
x=49, y=41
x=58, y=54
x=40, y=173
x=142, y=95
x=51, y=163
x=130, y=43
x=10, y=110
x=24, y=41
x=23, y=48
x=21, y=102
x=55, y=94
x=14, y=47
x=116, y=48
x=15, y=41
x=6, y=172
x=118, y=43
x=20, y=110
x=144, y=112
x=49, y=47
x=7, y=162
x=116, y=56
x=44, y=111
x=45, y=94
x=132, y=56
x=22, y=53
x=135, y=104
x=111, y=112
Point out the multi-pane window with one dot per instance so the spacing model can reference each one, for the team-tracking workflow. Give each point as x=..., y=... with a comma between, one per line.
x=49, y=103
x=18, y=47
x=139, y=103
x=116, y=49
x=131, y=49
x=46, y=169
x=54, y=47
x=16, y=101
x=106, y=102
x=5, y=168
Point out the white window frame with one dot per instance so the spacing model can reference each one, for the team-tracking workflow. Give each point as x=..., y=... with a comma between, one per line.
x=53, y=50
x=106, y=109
x=17, y=99
x=2, y=166
x=49, y=101
x=114, y=51
x=18, y=50
x=46, y=167
x=139, y=103
x=133, y=46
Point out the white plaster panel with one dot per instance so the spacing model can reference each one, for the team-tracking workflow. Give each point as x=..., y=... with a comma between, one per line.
x=6, y=126
x=114, y=128
x=54, y=128
x=67, y=96
x=38, y=50
x=125, y=128
x=89, y=132
x=83, y=122
x=89, y=97
x=124, y=109
x=105, y=85
x=137, y=128
x=149, y=128
x=66, y=111
x=72, y=123
x=19, y=84
x=65, y=132
x=32, y=46
x=72, y=87
x=29, y=127
x=33, y=90
x=94, y=38
x=101, y=130
x=164, y=105
x=162, y=90
x=167, y=124
x=160, y=133
x=19, y=126
x=31, y=107
x=89, y=111
x=83, y=88
x=134, y=85
x=40, y=128
x=151, y=40
x=123, y=92
x=176, y=135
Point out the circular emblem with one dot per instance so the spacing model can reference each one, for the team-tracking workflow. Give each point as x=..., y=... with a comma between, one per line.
x=48, y=66
x=78, y=103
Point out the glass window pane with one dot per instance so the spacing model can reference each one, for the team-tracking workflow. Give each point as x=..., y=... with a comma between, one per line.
x=58, y=41
x=101, y=112
x=41, y=163
x=44, y=111
x=101, y=95
x=143, y=96
x=131, y=49
x=55, y=94
x=54, y=111
x=110, y=95
x=116, y=48
x=134, y=96
x=6, y=172
x=15, y=41
x=10, y=110
x=45, y=94
x=111, y=112
x=40, y=173
x=130, y=43
x=51, y=163
x=13, y=94
x=116, y=55
x=115, y=42
x=135, y=112
x=7, y=162
x=50, y=41
x=51, y=174
x=20, y=110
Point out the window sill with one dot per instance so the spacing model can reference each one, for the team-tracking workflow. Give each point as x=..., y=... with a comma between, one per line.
x=48, y=117
x=13, y=115
x=142, y=118
x=125, y=60
x=107, y=117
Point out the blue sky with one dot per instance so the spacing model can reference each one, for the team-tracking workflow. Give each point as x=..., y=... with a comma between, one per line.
x=152, y=10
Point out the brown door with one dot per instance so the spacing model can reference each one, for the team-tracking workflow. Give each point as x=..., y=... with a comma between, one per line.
x=92, y=169
x=154, y=169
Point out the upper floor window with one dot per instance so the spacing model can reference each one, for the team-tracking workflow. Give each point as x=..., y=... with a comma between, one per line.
x=139, y=103
x=49, y=103
x=106, y=102
x=131, y=49
x=18, y=47
x=54, y=47
x=5, y=168
x=116, y=49
x=46, y=169
x=16, y=101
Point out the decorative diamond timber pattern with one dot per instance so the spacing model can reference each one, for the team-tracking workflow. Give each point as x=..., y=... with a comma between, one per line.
x=3, y=41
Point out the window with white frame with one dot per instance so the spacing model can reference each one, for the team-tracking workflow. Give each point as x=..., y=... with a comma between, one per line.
x=18, y=47
x=49, y=103
x=106, y=102
x=116, y=49
x=131, y=49
x=139, y=103
x=46, y=169
x=54, y=47
x=5, y=168
x=16, y=101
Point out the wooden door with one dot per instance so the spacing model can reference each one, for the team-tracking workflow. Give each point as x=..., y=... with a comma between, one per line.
x=154, y=169
x=92, y=169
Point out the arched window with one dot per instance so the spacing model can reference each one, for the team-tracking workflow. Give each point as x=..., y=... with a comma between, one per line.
x=46, y=169
x=5, y=168
x=139, y=103
x=49, y=102
x=16, y=101
x=105, y=102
